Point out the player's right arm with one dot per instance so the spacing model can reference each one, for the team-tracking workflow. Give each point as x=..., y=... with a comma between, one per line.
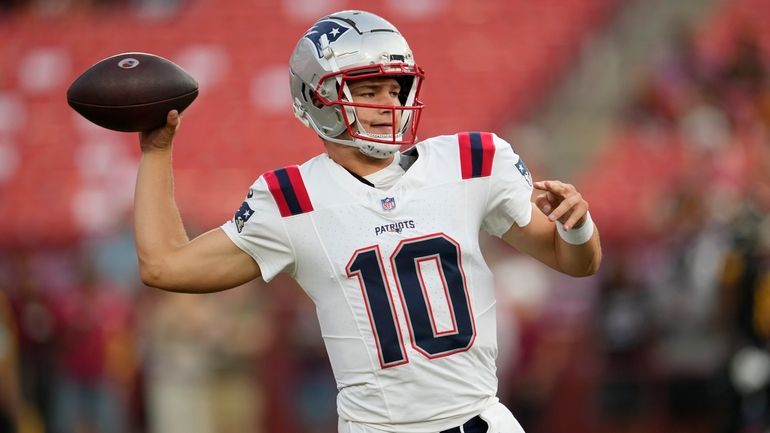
x=168, y=259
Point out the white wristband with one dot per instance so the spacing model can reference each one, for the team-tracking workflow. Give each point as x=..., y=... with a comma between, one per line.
x=577, y=236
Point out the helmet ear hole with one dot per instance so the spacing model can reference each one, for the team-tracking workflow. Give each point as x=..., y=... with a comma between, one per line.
x=311, y=96
x=303, y=91
x=316, y=100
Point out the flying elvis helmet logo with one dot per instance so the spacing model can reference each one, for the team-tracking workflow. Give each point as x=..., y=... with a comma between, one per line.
x=324, y=33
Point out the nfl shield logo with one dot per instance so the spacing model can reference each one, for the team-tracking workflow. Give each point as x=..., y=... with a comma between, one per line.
x=388, y=203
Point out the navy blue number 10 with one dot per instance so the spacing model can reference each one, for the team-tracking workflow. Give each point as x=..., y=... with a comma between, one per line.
x=406, y=262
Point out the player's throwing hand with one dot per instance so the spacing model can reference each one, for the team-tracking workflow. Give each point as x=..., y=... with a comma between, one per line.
x=161, y=138
x=561, y=201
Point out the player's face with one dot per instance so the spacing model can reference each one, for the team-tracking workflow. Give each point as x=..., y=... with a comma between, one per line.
x=379, y=91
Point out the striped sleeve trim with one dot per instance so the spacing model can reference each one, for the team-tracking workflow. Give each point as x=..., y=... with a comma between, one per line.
x=477, y=150
x=288, y=190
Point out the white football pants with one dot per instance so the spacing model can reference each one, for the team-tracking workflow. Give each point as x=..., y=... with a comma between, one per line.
x=499, y=418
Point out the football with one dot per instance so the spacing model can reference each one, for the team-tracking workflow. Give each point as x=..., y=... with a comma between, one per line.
x=132, y=92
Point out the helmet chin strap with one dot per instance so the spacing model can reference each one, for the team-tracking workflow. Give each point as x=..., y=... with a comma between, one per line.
x=376, y=150
x=369, y=148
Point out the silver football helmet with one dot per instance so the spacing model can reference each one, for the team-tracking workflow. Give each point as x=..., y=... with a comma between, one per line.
x=343, y=47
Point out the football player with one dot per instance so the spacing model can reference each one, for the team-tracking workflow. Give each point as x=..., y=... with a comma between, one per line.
x=385, y=243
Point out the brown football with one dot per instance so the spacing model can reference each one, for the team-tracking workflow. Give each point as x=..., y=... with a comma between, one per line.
x=132, y=92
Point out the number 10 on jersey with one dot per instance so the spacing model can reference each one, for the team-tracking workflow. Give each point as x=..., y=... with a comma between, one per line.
x=406, y=262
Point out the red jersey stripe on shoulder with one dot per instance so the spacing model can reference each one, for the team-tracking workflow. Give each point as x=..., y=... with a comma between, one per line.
x=275, y=189
x=464, y=139
x=288, y=191
x=477, y=151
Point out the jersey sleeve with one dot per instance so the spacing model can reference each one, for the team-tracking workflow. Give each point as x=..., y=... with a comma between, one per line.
x=510, y=191
x=258, y=229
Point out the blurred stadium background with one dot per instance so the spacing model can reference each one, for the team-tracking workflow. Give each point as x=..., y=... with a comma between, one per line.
x=658, y=110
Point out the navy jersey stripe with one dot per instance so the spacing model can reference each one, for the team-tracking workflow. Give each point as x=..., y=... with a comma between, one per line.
x=288, y=191
x=477, y=151
x=477, y=154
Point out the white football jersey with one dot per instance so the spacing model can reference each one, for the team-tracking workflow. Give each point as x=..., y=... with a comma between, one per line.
x=404, y=297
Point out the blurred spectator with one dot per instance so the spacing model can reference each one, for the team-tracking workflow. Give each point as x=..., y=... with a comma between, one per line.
x=236, y=397
x=744, y=69
x=624, y=321
x=91, y=356
x=743, y=80
x=746, y=293
x=313, y=385
x=297, y=376
x=10, y=392
x=690, y=349
x=529, y=357
x=177, y=331
x=34, y=313
x=200, y=356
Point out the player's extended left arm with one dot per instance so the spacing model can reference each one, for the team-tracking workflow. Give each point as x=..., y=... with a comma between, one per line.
x=574, y=248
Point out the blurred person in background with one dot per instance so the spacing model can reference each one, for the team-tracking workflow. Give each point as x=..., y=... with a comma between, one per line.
x=623, y=316
x=35, y=314
x=10, y=390
x=536, y=345
x=328, y=223
x=745, y=284
x=236, y=396
x=94, y=360
x=202, y=371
